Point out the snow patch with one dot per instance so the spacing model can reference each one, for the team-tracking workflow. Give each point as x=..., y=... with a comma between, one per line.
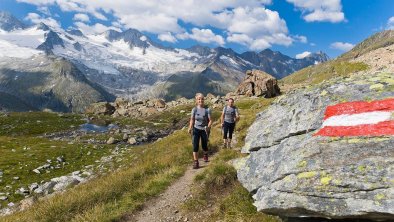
x=143, y=38
x=11, y=50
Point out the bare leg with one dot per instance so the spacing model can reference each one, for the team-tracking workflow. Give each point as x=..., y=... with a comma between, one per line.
x=195, y=155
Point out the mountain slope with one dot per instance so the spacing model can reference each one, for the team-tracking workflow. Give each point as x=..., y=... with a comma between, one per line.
x=129, y=64
x=378, y=40
x=350, y=62
x=8, y=22
x=48, y=83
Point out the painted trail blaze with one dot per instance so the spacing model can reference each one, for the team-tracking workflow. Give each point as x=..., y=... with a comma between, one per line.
x=359, y=118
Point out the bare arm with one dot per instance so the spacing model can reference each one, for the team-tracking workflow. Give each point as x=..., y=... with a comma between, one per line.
x=222, y=118
x=190, y=124
x=237, y=117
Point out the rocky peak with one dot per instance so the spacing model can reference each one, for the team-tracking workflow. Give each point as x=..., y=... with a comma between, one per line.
x=317, y=57
x=8, y=22
x=43, y=26
x=200, y=50
x=112, y=35
x=225, y=51
x=75, y=32
x=133, y=37
x=51, y=40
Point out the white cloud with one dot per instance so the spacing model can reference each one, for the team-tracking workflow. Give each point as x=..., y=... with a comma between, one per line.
x=390, y=23
x=257, y=28
x=244, y=22
x=36, y=19
x=44, y=10
x=240, y=38
x=81, y=17
x=155, y=23
x=303, y=55
x=94, y=29
x=203, y=35
x=167, y=37
x=300, y=38
x=343, y=46
x=319, y=11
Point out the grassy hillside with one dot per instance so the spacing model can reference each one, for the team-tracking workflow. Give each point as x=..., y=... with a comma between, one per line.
x=342, y=65
x=378, y=40
x=318, y=73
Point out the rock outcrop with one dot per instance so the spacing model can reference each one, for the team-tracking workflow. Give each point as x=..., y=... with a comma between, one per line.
x=258, y=83
x=144, y=108
x=293, y=172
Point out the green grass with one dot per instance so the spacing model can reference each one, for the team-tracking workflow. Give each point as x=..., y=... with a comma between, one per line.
x=19, y=156
x=238, y=207
x=217, y=184
x=35, y=123
x=139, y=173
x=315, y=74
x=153, y=167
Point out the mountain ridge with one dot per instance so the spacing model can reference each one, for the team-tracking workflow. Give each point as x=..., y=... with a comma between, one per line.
x=129, y=64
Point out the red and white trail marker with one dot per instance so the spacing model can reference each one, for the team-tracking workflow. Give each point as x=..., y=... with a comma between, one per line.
x=359, y=118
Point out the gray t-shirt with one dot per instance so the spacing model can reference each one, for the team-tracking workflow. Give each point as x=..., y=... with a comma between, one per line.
x=201, y=117
x=230, y=113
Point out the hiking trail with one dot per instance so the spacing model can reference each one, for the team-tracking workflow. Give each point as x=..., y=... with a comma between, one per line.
x=167, y=206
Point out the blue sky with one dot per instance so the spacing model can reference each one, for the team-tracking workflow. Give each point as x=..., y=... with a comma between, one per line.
x=293, y=27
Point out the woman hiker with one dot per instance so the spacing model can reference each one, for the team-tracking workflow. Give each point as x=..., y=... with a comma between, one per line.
x=199, y=126
x=229, y=117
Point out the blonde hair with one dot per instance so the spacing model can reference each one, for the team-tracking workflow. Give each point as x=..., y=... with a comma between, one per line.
x=198, y=95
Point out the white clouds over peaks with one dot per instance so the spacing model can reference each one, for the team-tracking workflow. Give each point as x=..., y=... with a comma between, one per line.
x=303, y=55
x=300, y=38
x=244, y=22
x=167, y=37
x=319, y=11
x=81, y=17
x=343, y=46
x=36, y=19
x=202, y=35
x=94, y=29
x=390, y=23
x=257, y=28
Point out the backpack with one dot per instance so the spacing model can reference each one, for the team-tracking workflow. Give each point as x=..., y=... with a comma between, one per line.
x=194, y=111
x=225, y=110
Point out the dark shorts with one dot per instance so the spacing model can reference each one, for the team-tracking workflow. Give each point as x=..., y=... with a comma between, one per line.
x=197, y=134
x=228, y=128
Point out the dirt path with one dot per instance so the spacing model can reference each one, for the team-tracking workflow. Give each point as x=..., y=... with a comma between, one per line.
x=166, y=207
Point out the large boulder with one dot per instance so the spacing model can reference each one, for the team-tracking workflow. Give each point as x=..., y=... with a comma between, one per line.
x=258, y=83
x=295, y=170
x=101, y=108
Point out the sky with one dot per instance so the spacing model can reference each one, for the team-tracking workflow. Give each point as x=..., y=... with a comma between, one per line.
x=293, y=27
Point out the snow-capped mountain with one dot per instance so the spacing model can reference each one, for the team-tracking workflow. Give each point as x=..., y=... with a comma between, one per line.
x=129, y=64
x=8, y=22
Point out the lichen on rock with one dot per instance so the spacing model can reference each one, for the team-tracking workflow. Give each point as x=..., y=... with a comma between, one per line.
x=292, y=172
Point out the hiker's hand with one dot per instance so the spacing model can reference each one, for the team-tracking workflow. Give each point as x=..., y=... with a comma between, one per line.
x=189, y=131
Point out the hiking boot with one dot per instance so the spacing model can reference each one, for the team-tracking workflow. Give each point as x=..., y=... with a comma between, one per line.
x=206, y=158
x=229, y=145
x=196, y=165
x=224, y=146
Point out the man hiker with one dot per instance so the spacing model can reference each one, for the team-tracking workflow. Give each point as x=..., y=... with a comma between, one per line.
x=199, y=127
x=229, y=117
